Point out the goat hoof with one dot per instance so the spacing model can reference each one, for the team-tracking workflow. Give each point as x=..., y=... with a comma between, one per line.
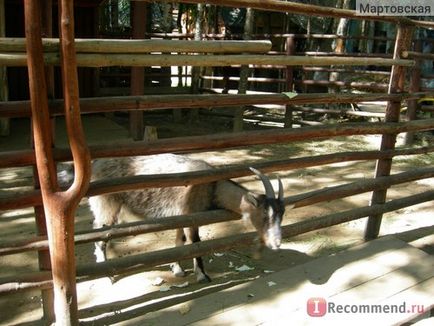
x=203, y=279
x=177, y=270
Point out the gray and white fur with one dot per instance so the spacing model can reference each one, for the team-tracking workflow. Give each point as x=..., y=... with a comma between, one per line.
x=264, y=211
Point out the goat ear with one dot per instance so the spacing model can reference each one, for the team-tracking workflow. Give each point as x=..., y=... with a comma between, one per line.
x=252, y=199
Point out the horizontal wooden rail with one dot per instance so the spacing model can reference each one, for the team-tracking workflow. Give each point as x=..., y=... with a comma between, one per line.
x=143, y=46
x=250, y=79
x=342, y=55
x=348, y=84
x=135, y=263
x=339, y=112
x=417, y=55
x=358, y=187
x=224, y=140
x=122, y=230
x=15, y=109
x=347, y=71
x=33, y=198
x=308, y=10
x=427, y=108
x=168, y=60
x=278, y=35
x=259, y=137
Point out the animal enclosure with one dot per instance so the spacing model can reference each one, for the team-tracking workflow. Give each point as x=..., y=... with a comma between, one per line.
x=55, y=207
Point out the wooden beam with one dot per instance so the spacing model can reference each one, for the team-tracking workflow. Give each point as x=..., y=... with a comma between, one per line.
x=172, y=180
x=418, y=54
x=149, y=225
x=289, y=78
x=144, y=45
x=139, y=262
x=63, y=213
x=415, y=83
x=40, y=117
x=307, y=9
x=393, y=109
x=238, y=121
x=139, y=15
x=4, y=91
x=162, y=102
x=204, y=218
x=44, y=260
x=219, y=141
x=59, y=206
x=168, y=60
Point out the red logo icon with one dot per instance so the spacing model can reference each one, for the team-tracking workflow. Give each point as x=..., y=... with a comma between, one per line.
x=316, y=307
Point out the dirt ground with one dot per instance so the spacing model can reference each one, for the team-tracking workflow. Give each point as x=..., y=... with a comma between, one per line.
x=102, y=303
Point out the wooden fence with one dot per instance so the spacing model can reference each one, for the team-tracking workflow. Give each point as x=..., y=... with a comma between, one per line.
x=60, y=204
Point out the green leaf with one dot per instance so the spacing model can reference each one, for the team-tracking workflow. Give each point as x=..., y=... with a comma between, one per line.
x=290, y=94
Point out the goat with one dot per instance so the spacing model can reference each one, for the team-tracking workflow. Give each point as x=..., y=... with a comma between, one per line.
x=264, y=211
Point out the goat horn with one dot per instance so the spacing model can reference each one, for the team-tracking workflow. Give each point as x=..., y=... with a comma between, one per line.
x=281, y=196
x=269, y=191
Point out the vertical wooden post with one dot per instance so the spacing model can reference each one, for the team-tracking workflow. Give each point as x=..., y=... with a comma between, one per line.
x=59, y=207
x=195, y=72
x=138, y=73
x=244, y=71
x=396, y=84
x=41, y=226
x=415, y=80
x=290, y=50
x=4, y=122
x=341, y=32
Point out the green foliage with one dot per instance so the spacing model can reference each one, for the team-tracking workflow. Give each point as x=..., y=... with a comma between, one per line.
x=115, y=16
x=124, y=13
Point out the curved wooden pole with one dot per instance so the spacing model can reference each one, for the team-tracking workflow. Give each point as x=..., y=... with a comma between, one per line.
x=59, y=206
x=77, y=141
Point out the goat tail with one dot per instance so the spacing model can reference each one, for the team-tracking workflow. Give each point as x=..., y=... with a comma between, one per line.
x=105, y=209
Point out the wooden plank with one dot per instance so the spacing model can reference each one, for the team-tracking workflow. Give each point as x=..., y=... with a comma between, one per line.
x=307, y=9
x=142, y=181
x=197, y=143
x=218, y=60
x=177, y=100
x=144, y=46
x=276, y=303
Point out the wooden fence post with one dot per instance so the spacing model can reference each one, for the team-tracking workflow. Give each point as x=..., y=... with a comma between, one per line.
x=195, y=70
x=59, y=207
x=415, y=83
x=41, y=226
x=290, y=50
x=396, y=85
x=244, y=72
x=4, y=122
x=138, y=73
